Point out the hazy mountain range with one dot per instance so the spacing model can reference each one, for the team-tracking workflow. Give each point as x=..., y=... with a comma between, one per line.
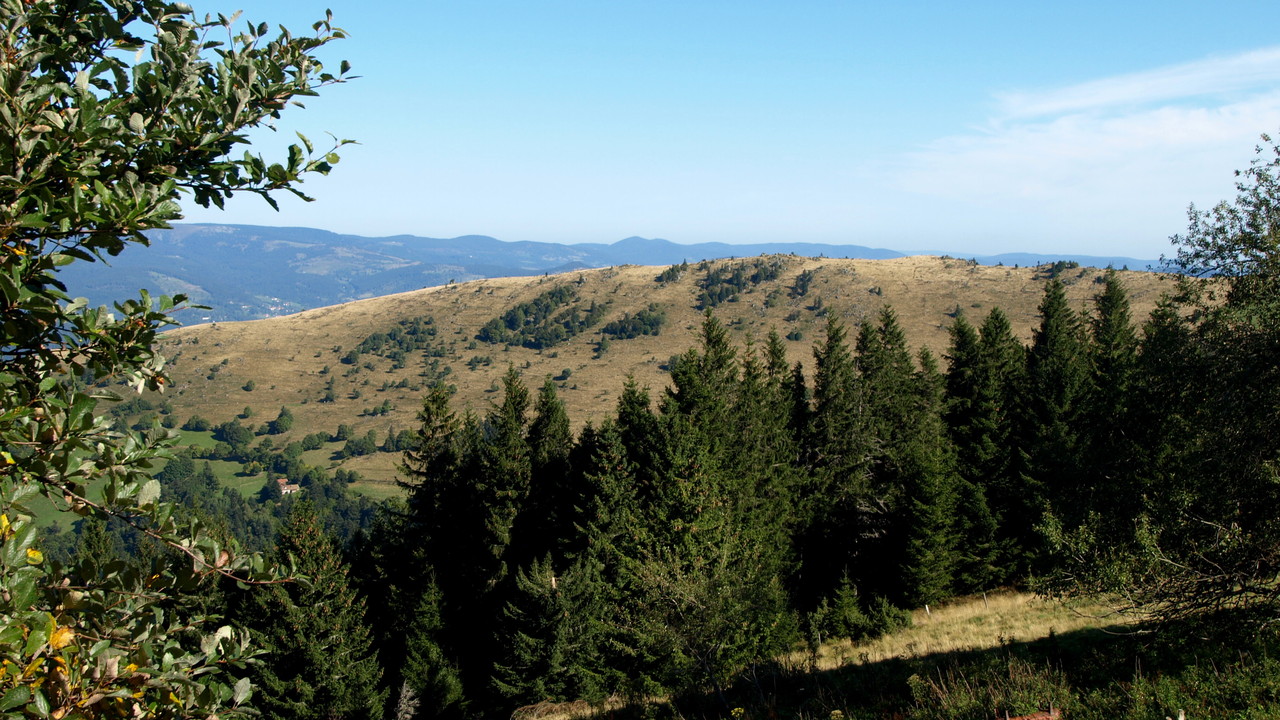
x=245, y=272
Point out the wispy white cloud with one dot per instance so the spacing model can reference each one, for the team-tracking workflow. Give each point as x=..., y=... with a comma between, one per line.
x=1111, y=159
x=1212, y=76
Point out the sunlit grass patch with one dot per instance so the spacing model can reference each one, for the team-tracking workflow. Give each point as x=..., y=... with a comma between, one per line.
x=972, y=623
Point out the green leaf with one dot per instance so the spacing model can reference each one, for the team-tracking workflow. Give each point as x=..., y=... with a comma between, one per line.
x=15, y=549
x=11, y=634
x=149, y=493
x=8, y=288
x=33, y=220
x=16, y=697
x=243, y=689
x=37, y=639
x=80, y=408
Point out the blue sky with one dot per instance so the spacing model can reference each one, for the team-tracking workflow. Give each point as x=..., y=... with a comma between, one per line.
x=963, y=127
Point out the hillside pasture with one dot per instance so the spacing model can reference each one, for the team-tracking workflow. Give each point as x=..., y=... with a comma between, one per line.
x=310, y=363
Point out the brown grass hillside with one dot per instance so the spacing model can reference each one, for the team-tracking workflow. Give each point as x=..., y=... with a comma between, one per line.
x=290, y=359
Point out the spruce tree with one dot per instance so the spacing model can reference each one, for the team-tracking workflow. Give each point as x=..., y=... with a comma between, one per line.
x=837, y=450
x=702, y=384
x=387, y=570
x=548, y=649
x=503, y=475
x=430, y=685
x=545, y=519
x=641, y=435
x=884, y=361
x=979, y=552
x=473, y=559
x=989, y=455
x=761, y=444
x=709, y=578
x=912, y=472
x=838, y=441
x=469, y=481
x=775, y=358
x=320, y=661
x=797, y=401
x=611, y=530
x=976, y=413
x=897, y=454
x=963, y=388
x=550, y=438
x=709, y=575
x=1167, y=400
x=929, y=504
x=1114, y=355
x=1053, y=444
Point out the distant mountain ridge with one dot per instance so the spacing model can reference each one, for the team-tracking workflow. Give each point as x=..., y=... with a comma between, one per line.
x=245, y=272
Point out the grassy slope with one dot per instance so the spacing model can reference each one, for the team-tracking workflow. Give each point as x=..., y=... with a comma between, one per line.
x=286, y=356
x=968, y=624
x=978, y=658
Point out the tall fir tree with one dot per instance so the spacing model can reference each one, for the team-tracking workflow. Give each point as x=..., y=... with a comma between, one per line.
x=545, y=520
x=549, y=650
x=1055, y=400
x=710, y=576
x=893, y=402
x=702, y=384
x=641, y=435
x=963, y=389
x=429, y=684
x=978, y=397
x=929, y=506
x=798, y=404
x=991, y=454
x=776, y=366
x=837, y=452
x=1167, y=400
x=468, y=482
x=837, y=442
x=320, y=662
x=610, y=533
x=504, y=471
x=762, y=445
x=1114, y=355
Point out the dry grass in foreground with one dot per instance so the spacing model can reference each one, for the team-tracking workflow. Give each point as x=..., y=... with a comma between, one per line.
x=963, y=624
x=972, y=623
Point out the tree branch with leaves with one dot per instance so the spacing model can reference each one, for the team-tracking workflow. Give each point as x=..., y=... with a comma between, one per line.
x=111, y=111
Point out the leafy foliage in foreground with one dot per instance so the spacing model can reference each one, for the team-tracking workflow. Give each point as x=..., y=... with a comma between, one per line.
x=114, y=109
